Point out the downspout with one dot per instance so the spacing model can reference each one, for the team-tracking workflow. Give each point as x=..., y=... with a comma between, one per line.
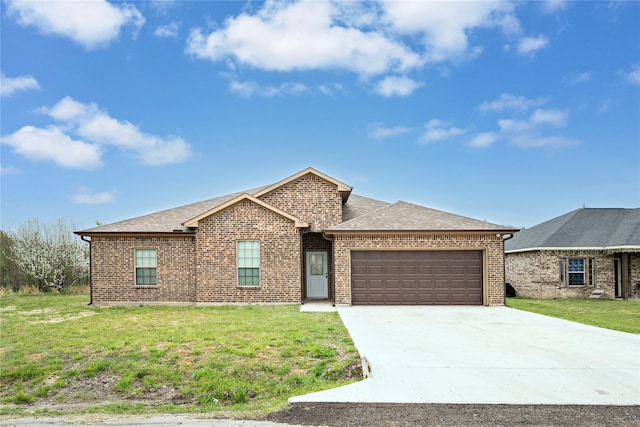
x=333, y=270
x=90, y=270
x=504, y=267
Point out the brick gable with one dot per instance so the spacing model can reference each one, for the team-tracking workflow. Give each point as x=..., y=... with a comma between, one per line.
x=310, y=198
x=216, y=257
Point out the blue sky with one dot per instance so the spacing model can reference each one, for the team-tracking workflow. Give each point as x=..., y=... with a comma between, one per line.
x=513, y=112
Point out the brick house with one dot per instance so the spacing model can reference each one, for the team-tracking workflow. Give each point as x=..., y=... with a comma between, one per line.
x=305, y=237
x=577, y=253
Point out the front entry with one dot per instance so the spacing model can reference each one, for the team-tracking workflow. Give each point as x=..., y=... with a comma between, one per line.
x=317, y=275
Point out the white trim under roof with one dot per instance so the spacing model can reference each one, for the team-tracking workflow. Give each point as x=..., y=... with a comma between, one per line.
x=625, y=248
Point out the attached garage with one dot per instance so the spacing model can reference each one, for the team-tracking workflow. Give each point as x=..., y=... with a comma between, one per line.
x=416, y=277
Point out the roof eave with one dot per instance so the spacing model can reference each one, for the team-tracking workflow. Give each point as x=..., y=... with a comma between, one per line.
x=421, y=231
x=135, y=233
x=623, y=248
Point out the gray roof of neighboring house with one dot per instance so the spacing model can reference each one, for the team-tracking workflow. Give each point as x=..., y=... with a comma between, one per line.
x=403, y=216
x=598, y=228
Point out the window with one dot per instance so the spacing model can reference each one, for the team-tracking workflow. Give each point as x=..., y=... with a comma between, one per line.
x=248, y=263
x=578, y=271
x=146, y=267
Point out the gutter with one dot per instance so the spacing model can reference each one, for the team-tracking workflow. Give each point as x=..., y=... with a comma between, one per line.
x=90, y=269
x=504, y=266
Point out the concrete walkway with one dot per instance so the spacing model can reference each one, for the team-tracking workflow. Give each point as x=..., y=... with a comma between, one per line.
x=486, y=355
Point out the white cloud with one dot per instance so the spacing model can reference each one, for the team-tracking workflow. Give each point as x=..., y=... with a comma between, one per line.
x=555, y=118
x=97, y=126
x=331, y=88
x=507, y=101
x=526, y=134
x=85, y=196
x=52, y=144
x=249, y=89
x=573, y=79
x=530, y=45
x=397, y=86
x=633, y=76
x=445, y=26
x=283, y=36
x=377, y=131
x=10, y=85
x=91, y=24
x=484, y=139
x=9, y=170
x=437, y=130
x=91, y=123
x=167, y=31
x=553, y=6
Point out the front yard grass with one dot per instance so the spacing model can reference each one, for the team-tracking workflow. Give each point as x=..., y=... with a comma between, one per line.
x=611, y=314
x=58, y=355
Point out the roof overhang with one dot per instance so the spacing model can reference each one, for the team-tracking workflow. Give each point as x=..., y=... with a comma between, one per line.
x=499, y=233
x=608, y=249
x=343, y=188
x=193, y=222
x=175, y=233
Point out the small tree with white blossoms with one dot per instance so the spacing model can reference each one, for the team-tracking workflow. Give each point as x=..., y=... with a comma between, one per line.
x=49, y=253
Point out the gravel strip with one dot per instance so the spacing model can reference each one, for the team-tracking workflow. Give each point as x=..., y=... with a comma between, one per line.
x=400, y=414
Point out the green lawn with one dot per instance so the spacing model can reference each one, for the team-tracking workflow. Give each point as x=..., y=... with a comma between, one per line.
x=611, y=314
x=57, y=352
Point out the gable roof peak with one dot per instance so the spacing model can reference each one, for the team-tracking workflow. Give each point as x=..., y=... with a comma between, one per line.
x=344, y=189
x=193, y=222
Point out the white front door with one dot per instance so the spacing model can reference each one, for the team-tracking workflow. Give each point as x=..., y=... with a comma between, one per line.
x=317, y=275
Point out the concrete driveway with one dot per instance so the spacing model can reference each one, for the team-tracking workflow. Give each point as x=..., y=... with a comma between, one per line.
x=486, y=355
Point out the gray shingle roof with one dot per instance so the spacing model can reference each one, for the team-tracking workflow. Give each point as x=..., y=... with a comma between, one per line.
x=359, y=213
x=403, y=216
x=598, y=228
x=165, y=221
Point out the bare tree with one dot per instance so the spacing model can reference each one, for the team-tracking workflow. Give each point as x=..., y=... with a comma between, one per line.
x=49, y=253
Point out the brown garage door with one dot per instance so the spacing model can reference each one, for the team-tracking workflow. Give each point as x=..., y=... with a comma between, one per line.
x=416, y=277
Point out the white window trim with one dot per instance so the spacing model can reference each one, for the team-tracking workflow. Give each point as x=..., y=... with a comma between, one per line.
x=259, y=267
x=135, y=267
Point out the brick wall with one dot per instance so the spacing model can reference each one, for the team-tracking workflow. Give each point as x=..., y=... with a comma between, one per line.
x=113, y=270
x=492, y=245
x=634, y=275
x=310, y=198
x=216, y=259
x=536, y=274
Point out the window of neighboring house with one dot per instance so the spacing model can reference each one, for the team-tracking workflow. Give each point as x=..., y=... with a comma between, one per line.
x=146, y=267
x=248, y=263
x=578, y=271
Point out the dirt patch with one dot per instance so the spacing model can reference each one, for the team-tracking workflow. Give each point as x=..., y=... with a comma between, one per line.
x=7, y=308
x=406, y=415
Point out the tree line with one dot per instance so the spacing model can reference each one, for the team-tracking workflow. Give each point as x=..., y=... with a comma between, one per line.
x=43, y=255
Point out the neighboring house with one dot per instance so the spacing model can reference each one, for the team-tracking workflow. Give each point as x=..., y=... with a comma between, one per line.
x=305, y=237
x=577, y=253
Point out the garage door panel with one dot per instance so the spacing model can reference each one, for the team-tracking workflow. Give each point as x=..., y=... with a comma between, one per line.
x=416, y=277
